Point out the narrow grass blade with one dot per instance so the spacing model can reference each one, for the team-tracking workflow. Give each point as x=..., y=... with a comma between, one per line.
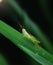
x=33, y=50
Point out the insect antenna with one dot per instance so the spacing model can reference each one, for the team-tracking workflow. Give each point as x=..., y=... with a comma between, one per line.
x=20, y=25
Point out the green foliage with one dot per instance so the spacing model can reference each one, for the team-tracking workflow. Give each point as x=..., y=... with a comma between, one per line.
x=34, y=50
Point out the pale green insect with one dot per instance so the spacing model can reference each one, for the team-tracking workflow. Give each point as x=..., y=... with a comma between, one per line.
x=32, y=38
x=29, y=36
